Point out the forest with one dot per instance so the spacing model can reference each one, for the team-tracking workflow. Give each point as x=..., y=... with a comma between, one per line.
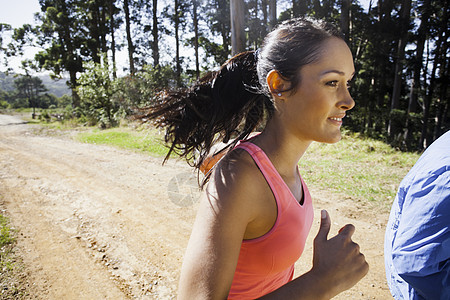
x=400, y=49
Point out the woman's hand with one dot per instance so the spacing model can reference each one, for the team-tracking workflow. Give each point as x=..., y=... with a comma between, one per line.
x=338, y=261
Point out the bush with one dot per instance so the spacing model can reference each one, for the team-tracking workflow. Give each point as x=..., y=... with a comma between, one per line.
x=96, y=90
x=138, y=89
x=4, y=105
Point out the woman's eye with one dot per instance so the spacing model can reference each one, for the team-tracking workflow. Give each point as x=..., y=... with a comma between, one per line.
x=349, y=84
x=333, y=83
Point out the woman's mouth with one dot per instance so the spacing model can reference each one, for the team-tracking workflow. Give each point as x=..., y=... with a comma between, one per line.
x=336, y=120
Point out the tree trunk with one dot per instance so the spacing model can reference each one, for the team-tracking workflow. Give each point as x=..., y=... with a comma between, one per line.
x=317, y=8
x=299, y=8
x=395, y=100
x=103, y=30
x=418, y=65
x=424, y=142
x=177, y=43
x=126, y=9
x=197, y=63
x=73, y=87
x=265, y=20
x=113, y=41
x=272, y=14
x=443, y=102
x=237, y=26
x=345, y=19
x=295, y=8
x=440, y=61
x=95, y=31
x=384, y=17
x=155, y=46
x=224, y=31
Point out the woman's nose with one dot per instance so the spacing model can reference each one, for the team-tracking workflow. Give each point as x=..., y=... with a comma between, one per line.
x=347, y=101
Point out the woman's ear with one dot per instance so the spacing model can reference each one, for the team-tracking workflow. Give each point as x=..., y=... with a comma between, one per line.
x=276, y=83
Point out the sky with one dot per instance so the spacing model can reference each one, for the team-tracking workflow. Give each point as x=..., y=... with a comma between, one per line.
x=19, y=12
x=16, y=13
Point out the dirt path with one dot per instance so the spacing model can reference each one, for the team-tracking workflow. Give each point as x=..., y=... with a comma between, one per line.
x=100, y=223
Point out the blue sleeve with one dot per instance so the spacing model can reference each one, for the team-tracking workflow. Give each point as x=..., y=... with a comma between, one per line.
x=421, y=250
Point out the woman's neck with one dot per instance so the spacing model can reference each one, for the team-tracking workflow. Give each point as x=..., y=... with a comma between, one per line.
x=282, y=147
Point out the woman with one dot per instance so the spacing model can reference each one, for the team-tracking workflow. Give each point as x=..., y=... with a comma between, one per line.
x=256, y=211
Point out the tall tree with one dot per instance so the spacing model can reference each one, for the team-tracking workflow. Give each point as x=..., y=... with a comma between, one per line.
x=196, y=37
x=418, y=60
x=31, y=88
x=95, y=14
x=155, y=34
x=440, y=62
x=112, y=26
x=415, y=86
x=272, y=14
x=300, y=7
x=217, y=43
x=237, y=26
x=345, y=19
x=442, y=115
x=177, y=22
x=126, y=9
x=63, y=40
x=405, y=15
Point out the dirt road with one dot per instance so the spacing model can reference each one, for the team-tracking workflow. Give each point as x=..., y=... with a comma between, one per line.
x=96, y=222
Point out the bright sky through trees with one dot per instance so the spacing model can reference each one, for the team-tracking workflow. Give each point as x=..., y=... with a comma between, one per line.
x=19, y=12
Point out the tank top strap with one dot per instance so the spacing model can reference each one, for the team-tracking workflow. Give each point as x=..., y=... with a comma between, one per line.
x=268, y=170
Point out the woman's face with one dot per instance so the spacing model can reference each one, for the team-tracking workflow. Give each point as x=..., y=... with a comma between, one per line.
x=315, y=111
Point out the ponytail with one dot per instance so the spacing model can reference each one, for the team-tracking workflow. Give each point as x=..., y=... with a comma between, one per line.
x=223, y=105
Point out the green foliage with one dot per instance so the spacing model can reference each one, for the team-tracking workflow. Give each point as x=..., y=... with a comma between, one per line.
x=60, y=32
x=96, y=90
x=216, y=42
x=4, y=104
x=135, y=90
x=64, y=101
x=105, y=102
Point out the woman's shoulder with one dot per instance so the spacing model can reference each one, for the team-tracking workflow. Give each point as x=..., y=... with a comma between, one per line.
x=237, y=180
x=237, y=166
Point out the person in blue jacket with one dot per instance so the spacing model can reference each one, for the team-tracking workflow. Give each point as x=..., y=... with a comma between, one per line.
x=417, y=240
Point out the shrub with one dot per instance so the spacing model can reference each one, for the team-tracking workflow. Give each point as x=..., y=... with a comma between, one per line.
x=96, y=91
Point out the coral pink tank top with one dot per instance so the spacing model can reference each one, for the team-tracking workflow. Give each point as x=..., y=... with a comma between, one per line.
x=267, y=263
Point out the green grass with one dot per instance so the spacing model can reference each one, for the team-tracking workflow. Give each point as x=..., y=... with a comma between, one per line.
x=12, y=279
x=359, y=168
x=147, y=141
x=7, y=240
x=6, y=237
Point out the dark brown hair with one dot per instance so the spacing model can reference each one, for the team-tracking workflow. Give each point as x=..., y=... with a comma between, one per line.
x=230, y=103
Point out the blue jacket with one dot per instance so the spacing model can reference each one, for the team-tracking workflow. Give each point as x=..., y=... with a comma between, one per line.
x=417, y=240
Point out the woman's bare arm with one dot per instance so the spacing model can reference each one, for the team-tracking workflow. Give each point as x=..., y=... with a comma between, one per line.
x=213, y=250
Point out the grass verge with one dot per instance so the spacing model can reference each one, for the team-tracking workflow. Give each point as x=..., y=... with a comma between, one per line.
x=12, y=278
x=148, y=141
x=359, y=168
